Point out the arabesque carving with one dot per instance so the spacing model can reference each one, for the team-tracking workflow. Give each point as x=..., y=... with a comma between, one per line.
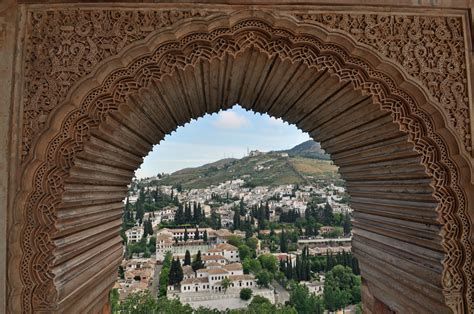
x=253, y=32
x=430, y=48
x=64, y=45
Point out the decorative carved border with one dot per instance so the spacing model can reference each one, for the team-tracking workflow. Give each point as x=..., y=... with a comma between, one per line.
x=38, y=249
x=65, y=45
x=429, y=48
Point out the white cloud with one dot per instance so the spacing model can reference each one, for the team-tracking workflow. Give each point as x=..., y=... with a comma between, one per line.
x=275, y=121
x=230, y=120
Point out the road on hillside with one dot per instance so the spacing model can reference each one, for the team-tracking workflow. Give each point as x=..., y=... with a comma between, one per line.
x=155, y=285
x=281, y=295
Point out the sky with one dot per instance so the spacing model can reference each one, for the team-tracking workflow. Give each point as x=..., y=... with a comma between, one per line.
x=225, y=134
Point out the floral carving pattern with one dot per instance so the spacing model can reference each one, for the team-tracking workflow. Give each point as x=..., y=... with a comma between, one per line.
x=50, y=176
x=64, y=45
x=430, y=48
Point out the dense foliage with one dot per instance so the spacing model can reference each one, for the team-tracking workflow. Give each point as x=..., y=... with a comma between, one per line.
x=341, y=288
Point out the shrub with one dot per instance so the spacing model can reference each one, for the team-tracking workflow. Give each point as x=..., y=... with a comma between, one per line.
x=246, y=293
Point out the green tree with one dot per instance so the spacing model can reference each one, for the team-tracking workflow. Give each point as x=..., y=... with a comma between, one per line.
x=341, y=287
x=263, y=278
x=139, y=211
x=327, y=215
x=226, y=283
x=242, y=210
x=196, y=234
x=186, y=236
x=245, y=293
x=188, y=217
x=235, y=241
x=244, y=252
x=251, y=265
x=236, y=220
x=283, y=242
x=304, y=301
x=144, y=302
x=269, y=262
x=197, y=263
x=179, y=272
x=141, y=302
x=114, y=300
x=252, y=243
x=187, y=258
x=121, y=272
x=176, y=272
x=204, y=236
x=164, y=275
x=179, y=215
x=347, y=224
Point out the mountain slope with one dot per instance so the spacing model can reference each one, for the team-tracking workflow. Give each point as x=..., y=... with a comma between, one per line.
x=309, y=149
x=273, y=168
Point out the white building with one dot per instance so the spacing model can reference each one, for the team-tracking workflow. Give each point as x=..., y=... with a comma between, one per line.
x=134, y=234
x=228, y=251
x=210, y=278
x=314, y=287
x=172, y=240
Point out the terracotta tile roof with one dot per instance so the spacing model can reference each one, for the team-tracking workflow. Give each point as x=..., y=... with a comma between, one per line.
x=233, y=266
x=241, y=277
x=226, y=246
x=195, y=280
x=213, y=258
x=216, y=271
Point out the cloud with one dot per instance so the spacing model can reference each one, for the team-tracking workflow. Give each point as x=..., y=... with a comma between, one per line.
x=230, y=120
x=275, y=121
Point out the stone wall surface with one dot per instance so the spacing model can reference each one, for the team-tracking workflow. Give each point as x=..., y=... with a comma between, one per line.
x=94, y=87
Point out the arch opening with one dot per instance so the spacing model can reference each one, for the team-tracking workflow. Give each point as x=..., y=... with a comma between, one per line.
x=396, y=217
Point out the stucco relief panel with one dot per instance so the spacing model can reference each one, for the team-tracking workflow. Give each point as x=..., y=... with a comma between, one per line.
x=430, y=48
x=64, y=45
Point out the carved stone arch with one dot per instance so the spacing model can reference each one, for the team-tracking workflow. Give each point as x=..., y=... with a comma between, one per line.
x=47, y=236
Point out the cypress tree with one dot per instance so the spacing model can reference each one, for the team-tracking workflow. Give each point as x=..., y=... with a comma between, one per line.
x=283, y=242
x=204, y=236
x=298, y=268
x=197, y=263
x=196, y=213
x=187, y=258
x=329, y=261
x=179, y=272
x=236, y=220
x=179, y=215
x=172, y=273
x=346, y=224
x=187, y=213
x=186, y=237
x=196, y=234
x=289, y=269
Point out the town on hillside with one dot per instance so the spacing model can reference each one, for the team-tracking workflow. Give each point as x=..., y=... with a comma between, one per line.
x=234, y=245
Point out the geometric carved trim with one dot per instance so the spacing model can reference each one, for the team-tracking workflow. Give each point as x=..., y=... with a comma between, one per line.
x=64, y=45
x=430, y=49
x=50, y=175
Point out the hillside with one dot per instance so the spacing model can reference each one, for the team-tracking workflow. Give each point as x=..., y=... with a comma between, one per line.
x=309, y=149
x=273, y=168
